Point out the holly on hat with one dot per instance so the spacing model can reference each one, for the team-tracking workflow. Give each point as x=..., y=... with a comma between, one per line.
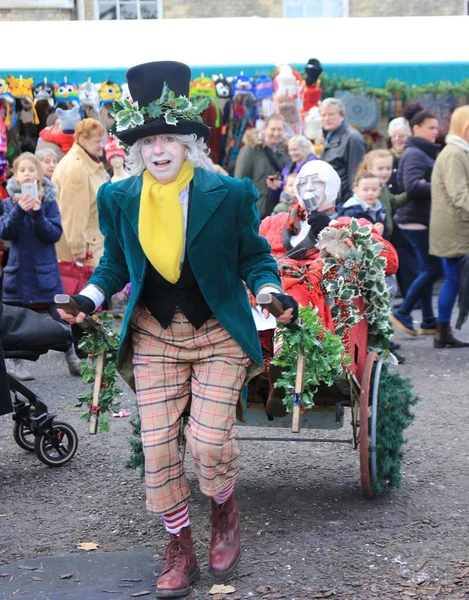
x=160, y=103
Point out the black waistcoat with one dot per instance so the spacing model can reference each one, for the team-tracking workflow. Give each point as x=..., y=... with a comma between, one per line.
x=163, y=298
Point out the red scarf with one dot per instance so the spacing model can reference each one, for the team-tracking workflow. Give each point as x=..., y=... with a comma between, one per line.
x=296, y=214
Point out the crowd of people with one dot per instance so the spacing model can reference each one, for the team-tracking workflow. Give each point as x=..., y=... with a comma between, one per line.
x=190, y=241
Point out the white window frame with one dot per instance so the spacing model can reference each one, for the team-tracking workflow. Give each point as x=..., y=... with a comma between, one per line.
x=139, y=14
x=345, y=7
x=37, y=4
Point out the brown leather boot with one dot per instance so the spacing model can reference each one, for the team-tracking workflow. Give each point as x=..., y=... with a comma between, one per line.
x=444, y=338
x=225, y=544
x=180, y=569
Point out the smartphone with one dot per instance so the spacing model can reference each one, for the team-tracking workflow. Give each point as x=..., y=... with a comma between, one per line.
x=30, y=189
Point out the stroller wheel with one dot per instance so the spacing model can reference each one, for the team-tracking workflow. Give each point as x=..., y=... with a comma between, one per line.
x=24, y=436
x=57, y=445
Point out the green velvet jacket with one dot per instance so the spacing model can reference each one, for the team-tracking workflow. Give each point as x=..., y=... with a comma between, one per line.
x=223, y=246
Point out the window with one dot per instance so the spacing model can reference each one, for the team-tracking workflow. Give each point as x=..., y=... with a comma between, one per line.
x=315, y=8
x=128, y=9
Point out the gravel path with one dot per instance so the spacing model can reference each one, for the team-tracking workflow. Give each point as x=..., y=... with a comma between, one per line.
x=307, y=531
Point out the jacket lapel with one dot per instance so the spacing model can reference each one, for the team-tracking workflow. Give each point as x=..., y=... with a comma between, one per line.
x=207, y=195
x=127, y=195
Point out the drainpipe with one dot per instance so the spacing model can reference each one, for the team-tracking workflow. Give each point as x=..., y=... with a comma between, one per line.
x=80, y=10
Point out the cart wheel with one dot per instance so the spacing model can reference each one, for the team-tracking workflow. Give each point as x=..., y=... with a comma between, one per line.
x=366, y=426
x=23, y=435
x=57, y=445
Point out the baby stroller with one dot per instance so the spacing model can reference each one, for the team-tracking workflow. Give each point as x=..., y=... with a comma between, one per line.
x=27, y=335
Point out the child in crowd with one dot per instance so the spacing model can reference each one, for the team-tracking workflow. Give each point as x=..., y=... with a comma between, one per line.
x=48, y=158
x=31, y=222
x=379, y=162
x=365, y=203
x=287, y=197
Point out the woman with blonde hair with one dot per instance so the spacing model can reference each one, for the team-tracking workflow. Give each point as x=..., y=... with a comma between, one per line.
x=449, y=219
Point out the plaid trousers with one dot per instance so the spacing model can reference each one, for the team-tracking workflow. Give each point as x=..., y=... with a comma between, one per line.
x=171, y=367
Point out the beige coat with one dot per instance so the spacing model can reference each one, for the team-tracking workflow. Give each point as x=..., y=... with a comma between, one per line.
x=449, y=217
x=78, y=178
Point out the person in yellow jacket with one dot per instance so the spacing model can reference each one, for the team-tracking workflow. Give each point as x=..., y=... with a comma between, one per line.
x=78, y=177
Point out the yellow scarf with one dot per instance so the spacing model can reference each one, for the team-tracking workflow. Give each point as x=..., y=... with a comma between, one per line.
x=161, y=222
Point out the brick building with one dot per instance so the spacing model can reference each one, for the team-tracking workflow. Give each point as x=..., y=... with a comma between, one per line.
x=37, y=10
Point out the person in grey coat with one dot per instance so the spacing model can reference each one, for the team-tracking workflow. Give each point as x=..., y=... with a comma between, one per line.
x=345, y=146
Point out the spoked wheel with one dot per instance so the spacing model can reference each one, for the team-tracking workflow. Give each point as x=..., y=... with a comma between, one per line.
x=368, y=412
x=24, y=435
x=57, y=445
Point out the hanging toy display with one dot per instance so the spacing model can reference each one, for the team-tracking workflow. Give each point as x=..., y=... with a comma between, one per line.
x=264, y=95
x=22, y=90
x=66, y=92
x=8, y=104
x=204, y=87
x=109, y=92
x=312, y=92
x=88, y=94
x=244, y=116
x=44, y=100
x=288, y=86
x=223, y=91
x=3, y=148
x=44, y=91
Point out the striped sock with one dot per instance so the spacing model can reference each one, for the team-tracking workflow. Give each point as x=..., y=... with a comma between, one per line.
x=223, y=496
x=176, y=520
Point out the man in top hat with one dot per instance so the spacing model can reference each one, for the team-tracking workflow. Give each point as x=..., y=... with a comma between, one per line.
x=187, y=239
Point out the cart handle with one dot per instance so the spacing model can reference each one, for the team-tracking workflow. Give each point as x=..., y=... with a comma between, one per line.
x=68, y=304
x=272, y=304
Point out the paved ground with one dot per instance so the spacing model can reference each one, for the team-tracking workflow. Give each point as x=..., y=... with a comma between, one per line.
x=307, y=531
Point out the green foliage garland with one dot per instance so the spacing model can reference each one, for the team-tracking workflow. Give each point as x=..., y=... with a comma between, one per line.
x=129, y=115
x=360, y=273
x=137, y=458
x=94, y=342
x=324, y=354
x=332, y=84
x=396, y=399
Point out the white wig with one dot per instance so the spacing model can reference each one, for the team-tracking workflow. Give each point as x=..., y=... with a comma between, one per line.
x=325, y=173
x=196, y=153
x=399, y=123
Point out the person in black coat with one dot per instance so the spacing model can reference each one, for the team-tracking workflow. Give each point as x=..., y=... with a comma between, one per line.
x=345, y=147
x=414, y=174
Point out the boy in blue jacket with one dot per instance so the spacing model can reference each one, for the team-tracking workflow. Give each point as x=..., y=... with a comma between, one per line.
x=365, y=203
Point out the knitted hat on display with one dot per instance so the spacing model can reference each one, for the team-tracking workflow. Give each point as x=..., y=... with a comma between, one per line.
x=313, y=69
x=264, y=87
x=160, y=93
x=113, y=148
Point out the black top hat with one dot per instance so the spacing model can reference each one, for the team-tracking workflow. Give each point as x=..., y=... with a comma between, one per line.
x=156, y=89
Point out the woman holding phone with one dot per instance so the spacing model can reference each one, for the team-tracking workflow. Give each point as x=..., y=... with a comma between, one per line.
x=31, y=222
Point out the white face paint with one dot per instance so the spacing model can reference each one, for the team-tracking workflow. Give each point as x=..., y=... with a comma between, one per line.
x=312, y=192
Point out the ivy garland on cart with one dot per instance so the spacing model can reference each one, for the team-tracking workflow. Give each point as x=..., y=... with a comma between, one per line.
x=360, y=273
x=325, y=356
